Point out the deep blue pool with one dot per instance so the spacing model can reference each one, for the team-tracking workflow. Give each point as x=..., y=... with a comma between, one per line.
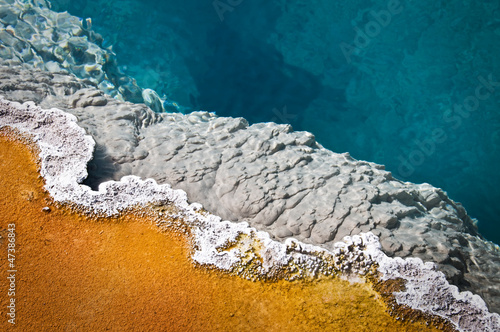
x=413, y=85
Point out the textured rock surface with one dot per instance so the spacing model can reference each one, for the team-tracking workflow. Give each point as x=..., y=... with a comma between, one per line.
x=277, y=180
x=65, y=151
x=31, y=33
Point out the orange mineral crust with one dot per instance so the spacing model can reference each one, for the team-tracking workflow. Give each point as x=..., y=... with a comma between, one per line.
x=76, y=273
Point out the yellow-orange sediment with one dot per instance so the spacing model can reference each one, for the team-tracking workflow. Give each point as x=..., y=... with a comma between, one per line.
x=76, y=273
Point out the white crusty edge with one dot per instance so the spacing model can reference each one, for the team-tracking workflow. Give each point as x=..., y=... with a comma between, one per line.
x=65, y=150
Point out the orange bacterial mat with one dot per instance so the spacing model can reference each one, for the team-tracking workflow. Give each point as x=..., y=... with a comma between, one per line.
x=77, y=273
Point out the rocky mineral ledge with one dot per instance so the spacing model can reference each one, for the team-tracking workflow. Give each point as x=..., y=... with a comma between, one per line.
x=65, y=150
x=277, y=180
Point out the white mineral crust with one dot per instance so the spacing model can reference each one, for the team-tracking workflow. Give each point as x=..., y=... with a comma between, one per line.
x=65, y=151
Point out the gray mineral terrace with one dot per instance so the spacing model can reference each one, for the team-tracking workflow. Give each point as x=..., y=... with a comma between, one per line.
x=279, y=181
x=65, y=150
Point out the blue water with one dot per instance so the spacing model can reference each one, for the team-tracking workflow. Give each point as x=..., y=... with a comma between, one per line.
x=413, y=85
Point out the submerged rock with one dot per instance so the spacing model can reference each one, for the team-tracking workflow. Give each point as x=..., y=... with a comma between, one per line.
x=31, y=33
x=152, y=100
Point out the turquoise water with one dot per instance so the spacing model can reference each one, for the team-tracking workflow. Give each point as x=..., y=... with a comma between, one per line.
x=411, y=85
